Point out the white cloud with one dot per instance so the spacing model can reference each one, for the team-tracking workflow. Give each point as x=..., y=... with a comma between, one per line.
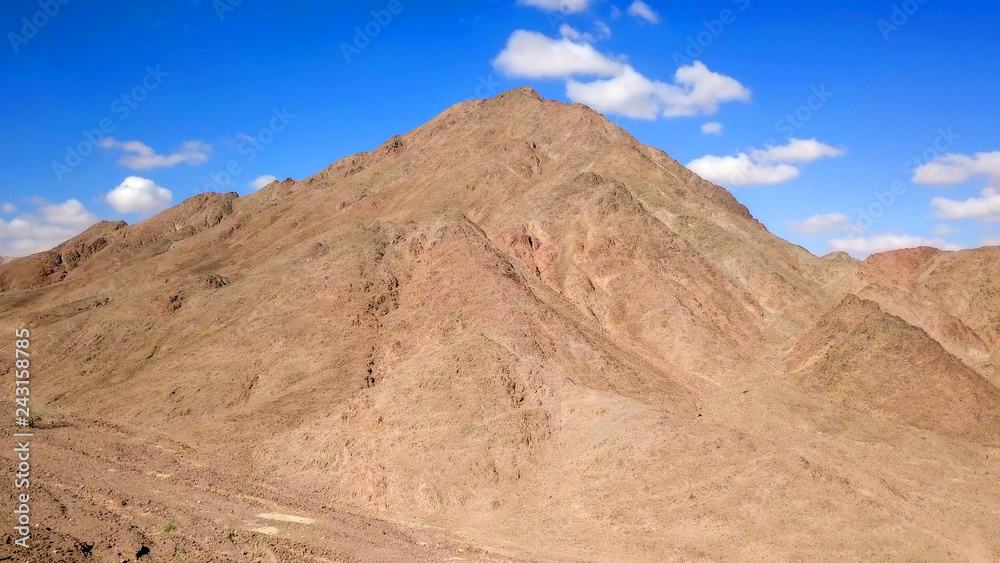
x=143, y=156
x=824, y=223
x=8, y=207
x=944, y=230
x=564, y=6
x=701, y=91
x=956, y=168
x=630, y=94
x=885, y=242
x=262, y=181
x=616, y=12
x=798, y=150
x=696, y=91
x=640, y=9
x=49, y=225
x=70, y=213
x=603, y=30
x=529, y=54
x=569, y=32
x=711, y=128
x=986, y=207
x=741, y=170
x=762, y=166
x=138, y=195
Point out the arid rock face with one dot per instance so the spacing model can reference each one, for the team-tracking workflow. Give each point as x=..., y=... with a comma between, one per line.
x=514, y=333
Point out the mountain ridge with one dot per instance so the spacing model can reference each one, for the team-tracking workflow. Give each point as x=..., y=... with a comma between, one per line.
x=518, y=325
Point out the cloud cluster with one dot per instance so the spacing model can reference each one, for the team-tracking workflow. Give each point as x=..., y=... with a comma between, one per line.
x=614, y=86
x=950, y=169
x=49, y=225
x=140, y=156
x=772, y=165
x=138, y=195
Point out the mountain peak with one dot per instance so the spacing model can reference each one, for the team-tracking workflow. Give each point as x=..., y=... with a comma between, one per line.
x=526, y=93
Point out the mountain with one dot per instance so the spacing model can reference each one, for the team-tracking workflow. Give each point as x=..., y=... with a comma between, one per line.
x=514, y=333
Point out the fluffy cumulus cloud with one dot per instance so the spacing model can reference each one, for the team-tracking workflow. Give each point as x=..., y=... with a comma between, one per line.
x=741, y=170
x=953, y=168
x=862, y=246
x=138, y=195
x=824, y=223
x=262, y=181
x=696, y=91
x=797, y=150
x=711, y=128
x=762, y=166
x=563, y=6
x=642, y=10
x=140, y=156
x=49, y=225
x=986, y=207
x=530, y=54
x=613, y=86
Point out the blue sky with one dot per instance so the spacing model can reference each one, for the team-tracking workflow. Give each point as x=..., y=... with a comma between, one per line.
x=861, y=126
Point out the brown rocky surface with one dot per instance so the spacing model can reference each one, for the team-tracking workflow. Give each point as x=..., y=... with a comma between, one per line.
x=512, y=334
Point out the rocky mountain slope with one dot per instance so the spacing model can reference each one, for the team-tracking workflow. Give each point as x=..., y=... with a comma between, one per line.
x=514, y=333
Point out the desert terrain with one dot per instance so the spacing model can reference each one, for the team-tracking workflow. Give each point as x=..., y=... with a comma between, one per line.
x=516, y=334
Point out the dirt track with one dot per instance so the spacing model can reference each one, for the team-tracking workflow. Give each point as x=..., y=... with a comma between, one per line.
x=102, y=493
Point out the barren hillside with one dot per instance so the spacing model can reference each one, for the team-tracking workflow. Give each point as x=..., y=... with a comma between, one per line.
x=512, y=334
